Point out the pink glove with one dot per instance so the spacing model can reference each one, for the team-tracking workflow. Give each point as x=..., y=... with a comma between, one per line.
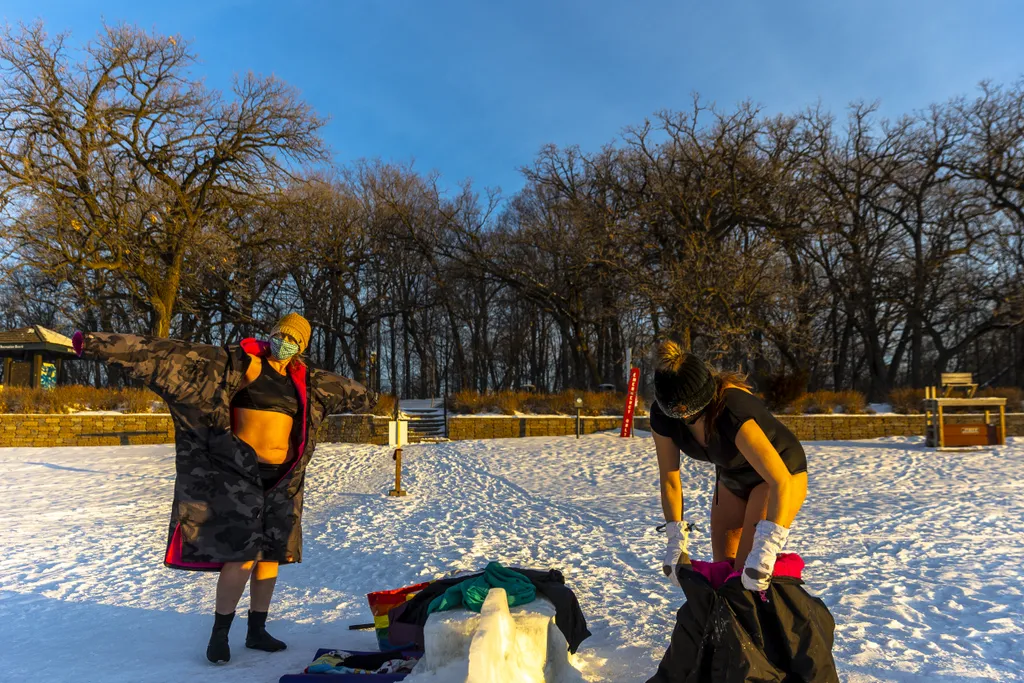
x=78, y=342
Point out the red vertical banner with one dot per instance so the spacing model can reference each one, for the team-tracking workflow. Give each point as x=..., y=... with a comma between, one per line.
x=627, y=417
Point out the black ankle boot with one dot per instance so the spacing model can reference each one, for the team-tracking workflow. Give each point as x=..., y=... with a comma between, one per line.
x=218, y=651
x=257, y=637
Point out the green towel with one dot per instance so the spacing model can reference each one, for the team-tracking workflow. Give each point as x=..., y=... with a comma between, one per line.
x=472, y=592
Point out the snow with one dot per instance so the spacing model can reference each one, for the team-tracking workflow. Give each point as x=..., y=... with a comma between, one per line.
x=918, y=554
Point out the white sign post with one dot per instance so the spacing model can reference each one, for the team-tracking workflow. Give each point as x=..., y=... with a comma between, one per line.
x=398, y=433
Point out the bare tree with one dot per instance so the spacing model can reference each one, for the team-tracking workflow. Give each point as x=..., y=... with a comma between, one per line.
x=121, y=163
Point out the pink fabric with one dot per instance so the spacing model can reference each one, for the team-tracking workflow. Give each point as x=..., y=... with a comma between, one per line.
x=173, y=556
x=717, y=573
x=255, y=347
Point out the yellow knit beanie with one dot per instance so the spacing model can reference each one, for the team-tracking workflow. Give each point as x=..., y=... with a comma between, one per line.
x=295, y=325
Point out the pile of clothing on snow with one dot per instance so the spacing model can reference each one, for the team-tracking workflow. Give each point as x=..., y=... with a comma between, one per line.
x=400, y=618
x=342, y=662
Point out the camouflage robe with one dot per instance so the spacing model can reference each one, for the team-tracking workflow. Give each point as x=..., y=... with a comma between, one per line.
x=221, y=512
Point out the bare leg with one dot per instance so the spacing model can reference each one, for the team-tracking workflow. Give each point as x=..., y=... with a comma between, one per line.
x=261, y=587
x=231, y=585
x=727, y=514
x=757, y=509
x=261, y=590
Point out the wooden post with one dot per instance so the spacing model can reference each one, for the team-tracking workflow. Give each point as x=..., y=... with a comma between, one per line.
x=1002, y=425
x=37, y=371
x=397, y=491
x=942, y=431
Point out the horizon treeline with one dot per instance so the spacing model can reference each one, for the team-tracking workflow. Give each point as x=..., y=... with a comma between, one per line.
x=808, y=249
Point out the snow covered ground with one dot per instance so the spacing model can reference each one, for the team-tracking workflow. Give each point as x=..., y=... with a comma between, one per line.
x=919, y=554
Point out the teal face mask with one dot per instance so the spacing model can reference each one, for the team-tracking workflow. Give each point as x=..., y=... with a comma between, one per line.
x=281, y=349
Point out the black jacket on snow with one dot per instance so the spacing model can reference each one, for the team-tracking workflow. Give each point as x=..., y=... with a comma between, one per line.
x=725, y=633
x=407, y=620
x=221, y=512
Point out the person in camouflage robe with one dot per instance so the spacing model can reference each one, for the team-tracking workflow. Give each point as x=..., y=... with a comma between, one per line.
x=222, y=512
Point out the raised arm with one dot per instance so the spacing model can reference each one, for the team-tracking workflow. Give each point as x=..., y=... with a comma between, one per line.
x=174, y=369
x=339, y=394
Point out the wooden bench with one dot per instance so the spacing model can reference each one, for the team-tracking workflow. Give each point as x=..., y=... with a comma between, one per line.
x=951, y=381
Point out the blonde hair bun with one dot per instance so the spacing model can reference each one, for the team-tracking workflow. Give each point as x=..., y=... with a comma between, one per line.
x=670, y=356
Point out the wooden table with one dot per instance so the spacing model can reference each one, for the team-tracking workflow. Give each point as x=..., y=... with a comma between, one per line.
x=987, y=433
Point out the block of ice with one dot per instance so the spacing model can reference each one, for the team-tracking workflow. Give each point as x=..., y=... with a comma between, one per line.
x=521, y=645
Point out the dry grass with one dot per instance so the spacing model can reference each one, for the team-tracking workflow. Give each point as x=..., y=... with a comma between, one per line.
x=512, y=402
x=75, y=398
x=906, y=401
x=385, y=405
x=828, y=402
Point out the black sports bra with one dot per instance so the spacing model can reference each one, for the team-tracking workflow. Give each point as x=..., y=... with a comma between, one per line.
x=271, y=392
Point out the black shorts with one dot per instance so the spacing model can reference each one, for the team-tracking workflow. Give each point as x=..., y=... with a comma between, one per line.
x=271, y=474
x=741, y=481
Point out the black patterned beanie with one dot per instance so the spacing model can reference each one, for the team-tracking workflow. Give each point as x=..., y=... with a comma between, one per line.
x=683, y=383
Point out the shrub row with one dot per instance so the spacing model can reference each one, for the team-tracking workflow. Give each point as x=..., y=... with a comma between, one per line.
x=512, y=402
x=75, y=398
x=826, y=402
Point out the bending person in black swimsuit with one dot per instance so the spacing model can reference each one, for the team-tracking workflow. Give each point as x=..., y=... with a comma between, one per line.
x=760, y=466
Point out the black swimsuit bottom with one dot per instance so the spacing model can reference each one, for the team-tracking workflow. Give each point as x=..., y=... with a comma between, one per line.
x=274, y=393
x=731, y=467
x=271, y=474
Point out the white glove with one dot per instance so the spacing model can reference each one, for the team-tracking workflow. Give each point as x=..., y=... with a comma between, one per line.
x=769, y=539
x=675, y=553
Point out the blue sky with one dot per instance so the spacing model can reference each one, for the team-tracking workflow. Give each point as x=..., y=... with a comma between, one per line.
x=474, y=89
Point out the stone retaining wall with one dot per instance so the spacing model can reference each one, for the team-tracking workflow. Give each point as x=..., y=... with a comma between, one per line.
x=354, y=429
x=805, y=427
x=470, y=427
x=85, y=430
x=113, y=430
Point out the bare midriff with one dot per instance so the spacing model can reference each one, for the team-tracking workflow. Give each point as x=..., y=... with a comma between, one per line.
x=267, y=432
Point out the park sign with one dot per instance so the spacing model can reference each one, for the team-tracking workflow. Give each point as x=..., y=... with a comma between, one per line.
x=627, y=417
